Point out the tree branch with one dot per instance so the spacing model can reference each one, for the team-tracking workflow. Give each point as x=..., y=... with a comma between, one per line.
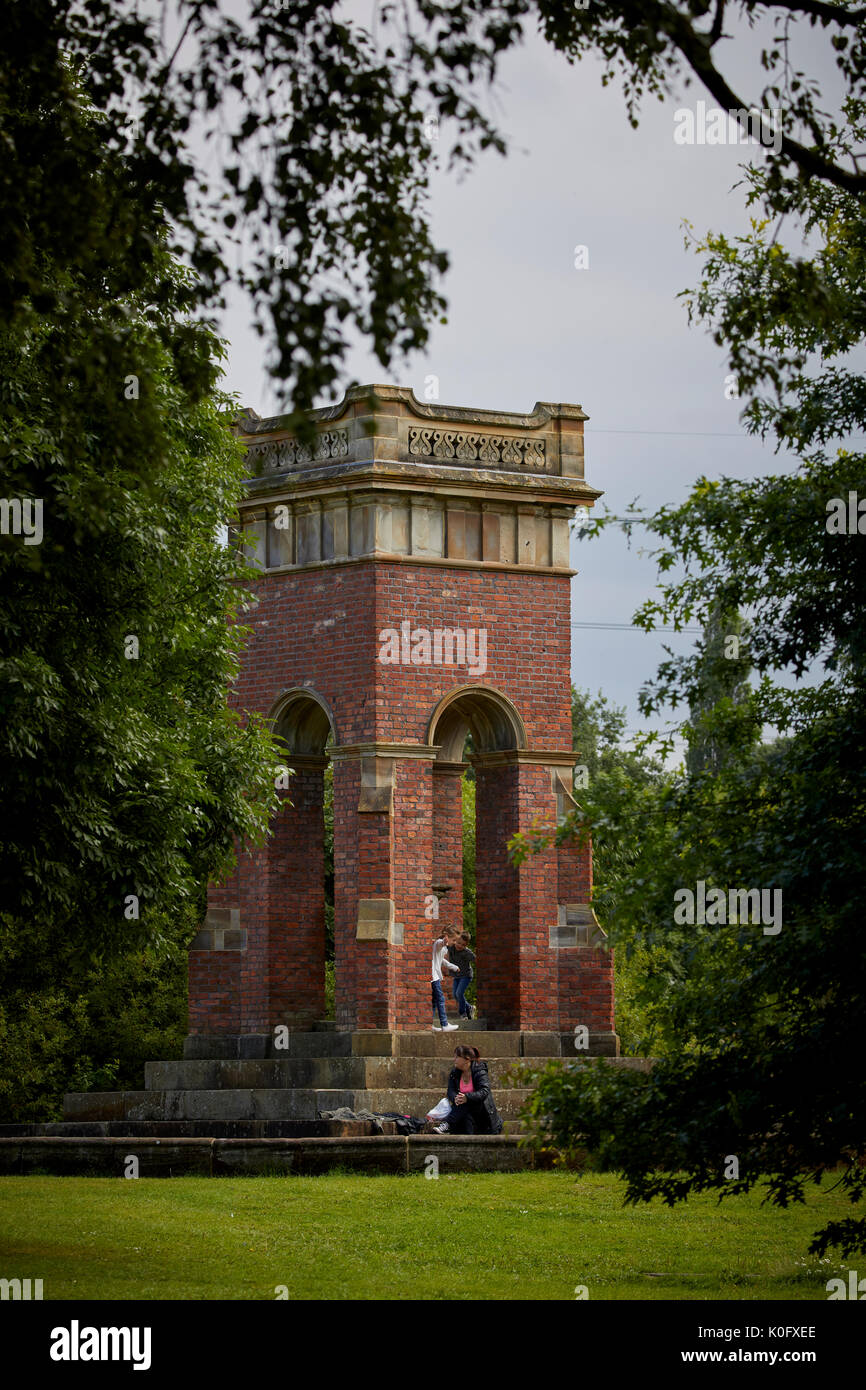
x=695, y=48
x=834, y=14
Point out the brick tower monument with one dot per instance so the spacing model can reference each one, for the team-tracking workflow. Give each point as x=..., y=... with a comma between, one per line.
x=414, y=589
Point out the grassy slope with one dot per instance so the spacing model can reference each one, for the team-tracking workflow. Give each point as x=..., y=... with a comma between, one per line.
x=502, y=1236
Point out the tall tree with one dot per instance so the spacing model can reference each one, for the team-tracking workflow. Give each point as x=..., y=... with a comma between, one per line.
x=126, y=775
x=613, y=773
x=761, y=1015
x=721, y=682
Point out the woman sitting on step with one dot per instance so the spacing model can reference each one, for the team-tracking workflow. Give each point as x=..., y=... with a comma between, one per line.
x=473, y=1110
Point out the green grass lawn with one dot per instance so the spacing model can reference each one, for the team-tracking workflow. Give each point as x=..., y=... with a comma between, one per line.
x=493, y=1235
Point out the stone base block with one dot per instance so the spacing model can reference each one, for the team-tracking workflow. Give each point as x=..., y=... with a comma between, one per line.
x=477, y=1153
x=374, y=1042
x=163, y=1158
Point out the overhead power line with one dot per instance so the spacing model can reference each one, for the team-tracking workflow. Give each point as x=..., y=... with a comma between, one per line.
x=703, y=434
x=692, y=434
x=633, y=627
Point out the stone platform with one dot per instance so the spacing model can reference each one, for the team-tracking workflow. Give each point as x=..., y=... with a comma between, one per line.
x=244, y=1104
x=250, y=1078
x=177, y=1157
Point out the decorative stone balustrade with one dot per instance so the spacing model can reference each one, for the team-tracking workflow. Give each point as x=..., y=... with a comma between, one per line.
x=388, y=475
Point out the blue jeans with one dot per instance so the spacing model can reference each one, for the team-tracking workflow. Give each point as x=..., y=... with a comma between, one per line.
x=439, y=1001
x=461, y=984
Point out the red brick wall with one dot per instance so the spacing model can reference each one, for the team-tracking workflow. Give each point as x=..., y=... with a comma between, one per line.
x=295, y=961
x=585, y=976
x=586, y=990
x=363, y=861
x=413, y=875
x=320, y=628
x=215, y=976
x=215, y=992
x=527, y=618
x=538, y=964
x=448, y=845
x=497, y=895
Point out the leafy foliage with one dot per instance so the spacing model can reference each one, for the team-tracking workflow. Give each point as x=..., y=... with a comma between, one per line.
x=67, y=1027
x=759, y=1026
x=467, y=788
x=316, y=167
x=653, y=45
x=127, y=777
x=721, y=690
x=618, y=776
x=126, y=774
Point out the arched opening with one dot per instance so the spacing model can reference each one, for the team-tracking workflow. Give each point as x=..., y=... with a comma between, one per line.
x=491, y=719
x=301, y=858
x=469, y=721
x=303, y=721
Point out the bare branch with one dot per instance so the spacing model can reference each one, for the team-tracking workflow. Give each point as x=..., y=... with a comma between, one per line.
x=718, y=22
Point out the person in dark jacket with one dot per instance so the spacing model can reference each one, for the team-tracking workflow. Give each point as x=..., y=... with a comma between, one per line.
x=460, y=955
x=473, y=1109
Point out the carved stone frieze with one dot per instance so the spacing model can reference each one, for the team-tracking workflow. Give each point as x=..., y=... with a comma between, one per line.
x=275, y=456
x=496, y=450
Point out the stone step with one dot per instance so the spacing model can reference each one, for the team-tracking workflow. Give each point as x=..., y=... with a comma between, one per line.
x=282, y=1103
x=372, y=1042
x=417, y=1101
x=329, y=1073
x=478, y=1024
x=206, y=1129
x=197, y=1129
x=169, y=1158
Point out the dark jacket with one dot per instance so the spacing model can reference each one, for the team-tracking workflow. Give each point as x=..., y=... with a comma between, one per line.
x=464, y=961
x=487, y=1118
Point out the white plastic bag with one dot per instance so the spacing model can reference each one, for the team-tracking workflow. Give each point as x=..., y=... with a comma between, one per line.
x=439, y=1111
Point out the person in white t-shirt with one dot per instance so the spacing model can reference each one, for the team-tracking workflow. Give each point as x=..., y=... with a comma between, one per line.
x=440, y=946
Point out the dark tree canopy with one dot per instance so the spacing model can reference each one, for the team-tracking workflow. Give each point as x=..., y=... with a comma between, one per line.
x=312, y=194
x=125, y=774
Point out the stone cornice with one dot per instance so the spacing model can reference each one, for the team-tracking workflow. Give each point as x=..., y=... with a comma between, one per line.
x=430, y=560
x=538, y=757
x=535, y=756
x=387, y=426
x=370, y=474
x=543, y=412
x=305, y=762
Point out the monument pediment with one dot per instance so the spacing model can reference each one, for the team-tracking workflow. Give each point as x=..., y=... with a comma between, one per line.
x=384, y=473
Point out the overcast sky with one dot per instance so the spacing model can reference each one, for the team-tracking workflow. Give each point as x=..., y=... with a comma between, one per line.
x=525, y=325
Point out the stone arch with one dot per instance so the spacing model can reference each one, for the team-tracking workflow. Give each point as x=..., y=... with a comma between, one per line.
x=497, y=727
x=294, y=862
x=304, y=721
x=493, y=720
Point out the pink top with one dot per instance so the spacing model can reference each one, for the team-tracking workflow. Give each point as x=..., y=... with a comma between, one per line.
x=466, y=1087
